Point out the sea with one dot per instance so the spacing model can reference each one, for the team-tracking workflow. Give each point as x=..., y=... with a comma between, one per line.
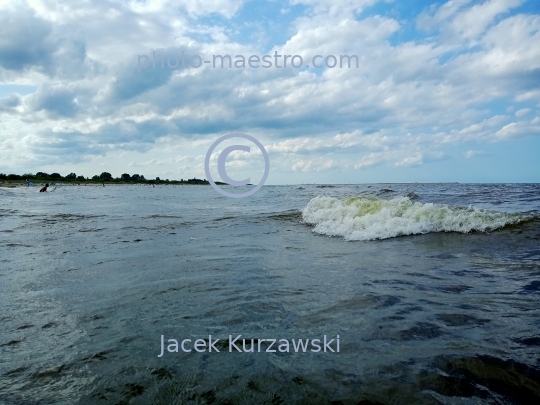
x=433, y=290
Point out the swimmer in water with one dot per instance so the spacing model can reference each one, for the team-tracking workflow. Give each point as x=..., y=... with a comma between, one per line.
x=44, y=188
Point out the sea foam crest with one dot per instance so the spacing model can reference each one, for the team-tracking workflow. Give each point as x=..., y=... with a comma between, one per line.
x=369, y=218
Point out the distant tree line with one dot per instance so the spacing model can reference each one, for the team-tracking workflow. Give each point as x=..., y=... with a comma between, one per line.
x=104, y=177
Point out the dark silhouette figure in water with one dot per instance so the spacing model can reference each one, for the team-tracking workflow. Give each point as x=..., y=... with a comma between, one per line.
x=44, y=188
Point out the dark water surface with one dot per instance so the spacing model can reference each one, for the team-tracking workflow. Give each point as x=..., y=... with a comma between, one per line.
x=91, y=277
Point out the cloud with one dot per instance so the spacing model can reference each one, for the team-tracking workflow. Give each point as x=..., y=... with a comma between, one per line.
x=458, y=22
x=24, y=38
x=519, y=129
x=472, y=153
x=522, y=112
x=446, y=90
x=57, y=100
x=414, y=160
x=335, y=7
x=10, y=104
x=313, y=165
x=195, y=8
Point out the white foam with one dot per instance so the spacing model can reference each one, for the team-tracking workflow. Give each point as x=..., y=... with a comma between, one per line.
x=369, y=218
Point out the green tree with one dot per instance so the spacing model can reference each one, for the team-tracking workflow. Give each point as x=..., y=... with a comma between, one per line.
x=105, y=176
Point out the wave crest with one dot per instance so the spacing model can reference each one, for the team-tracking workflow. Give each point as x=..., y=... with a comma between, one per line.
x=370, y=218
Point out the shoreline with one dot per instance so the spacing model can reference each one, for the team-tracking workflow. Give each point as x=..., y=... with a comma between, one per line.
x=35, y=185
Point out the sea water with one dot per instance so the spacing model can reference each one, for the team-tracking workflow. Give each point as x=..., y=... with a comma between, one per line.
x=433, y=290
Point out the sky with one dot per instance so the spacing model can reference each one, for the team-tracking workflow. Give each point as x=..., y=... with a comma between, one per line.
x=443, y=90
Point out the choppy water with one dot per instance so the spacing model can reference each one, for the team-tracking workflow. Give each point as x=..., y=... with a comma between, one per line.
x=91, y=277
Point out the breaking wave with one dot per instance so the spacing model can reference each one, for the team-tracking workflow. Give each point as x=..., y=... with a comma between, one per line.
x=369, y=218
